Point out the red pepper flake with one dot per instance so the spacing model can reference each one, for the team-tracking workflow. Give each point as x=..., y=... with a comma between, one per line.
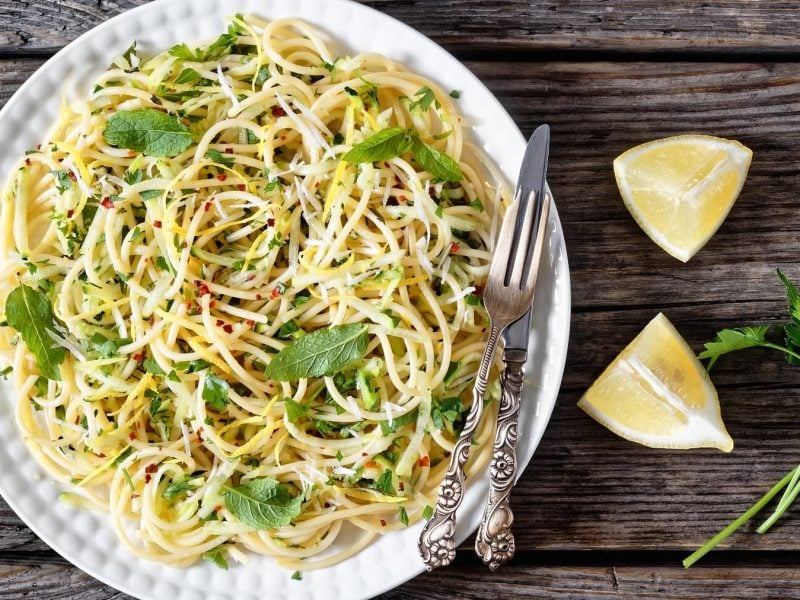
x=212, y=304
x=275, y=294
x=250, y=323
x=453, y=248
x=207, y=206
x=227, y=328
x=107, y=203
x=270, y=222
x=147, y=478
x=222, y=177
x=383, y=523
x=370, y=464
x=157, y=224
x=188, y=305
x=283, y=138
x=151, y=468
x=38, y=146
x=71, y=175
x=202, y=288
x=28, y=162
x=258, y=296
x=277, y=111
x=218, y=508
x=401, y=486
x=424, y=461
x=316, y=185
x=200, y=431
x=70, y=213
x=139, y=357
x=132, y=436
x=220, y=322
x=364, y=454
x=402, y=198
x=228, y=150
x=185, y=121
x=241, y=187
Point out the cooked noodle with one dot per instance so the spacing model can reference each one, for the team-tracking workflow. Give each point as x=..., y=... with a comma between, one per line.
x=167, y=275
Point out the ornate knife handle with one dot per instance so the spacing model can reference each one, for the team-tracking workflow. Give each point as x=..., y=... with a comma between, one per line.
x=495, y=542
x=436, y=543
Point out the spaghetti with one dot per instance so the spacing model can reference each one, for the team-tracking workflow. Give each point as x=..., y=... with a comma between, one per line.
x=202, y=211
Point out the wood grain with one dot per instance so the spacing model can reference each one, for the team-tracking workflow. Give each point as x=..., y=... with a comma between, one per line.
x=597, y=517
x=473, y=27
x=467, y=580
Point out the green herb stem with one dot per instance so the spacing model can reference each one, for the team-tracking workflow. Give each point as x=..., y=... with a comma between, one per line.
x=789, y=496
x=744, y=518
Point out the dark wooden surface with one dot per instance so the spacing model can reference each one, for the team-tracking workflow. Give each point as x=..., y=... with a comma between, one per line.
x=597, y=517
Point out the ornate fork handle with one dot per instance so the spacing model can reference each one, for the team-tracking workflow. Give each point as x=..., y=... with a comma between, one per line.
x=436, y=543
x=495, y=541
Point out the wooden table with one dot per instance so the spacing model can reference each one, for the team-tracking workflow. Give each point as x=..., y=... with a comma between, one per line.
x=597, y=517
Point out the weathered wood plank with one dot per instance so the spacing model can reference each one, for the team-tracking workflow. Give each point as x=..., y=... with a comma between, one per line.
x=467, y=580
x=475, y=27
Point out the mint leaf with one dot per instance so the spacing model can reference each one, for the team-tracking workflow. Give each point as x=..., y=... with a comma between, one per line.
x=262, y=503
x=435, y=162
x=215, y=392
x=29, y=312
x=217, y=557
x=730, y=340
x=383, y=145
x=219, y=158
x=149, y=131
x=323, y=352
x=294, y=410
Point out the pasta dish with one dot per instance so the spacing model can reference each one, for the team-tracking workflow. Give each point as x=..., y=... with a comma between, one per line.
x=240, y=288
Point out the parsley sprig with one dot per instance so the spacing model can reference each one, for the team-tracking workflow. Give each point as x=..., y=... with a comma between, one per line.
x=731, y=340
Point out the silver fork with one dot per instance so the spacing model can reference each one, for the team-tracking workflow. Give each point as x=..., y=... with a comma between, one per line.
x=507, y=296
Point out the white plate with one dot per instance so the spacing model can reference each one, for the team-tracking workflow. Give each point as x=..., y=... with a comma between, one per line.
x=86, y=539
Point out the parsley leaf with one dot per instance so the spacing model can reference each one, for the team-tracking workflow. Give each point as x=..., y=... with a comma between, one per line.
x=426, y=98
x=187, y=76
x=294, y=410
x=178, y=487
x=219, y=158
x=730, y=340
x=403, y=515
x=151, y=366
x=217, y=557
x=386, y=144
x=63, y=182
x=29, y=312
x=263, y=503
x=149, y=131
x=215, y=392
x=383, y=484
x=323, y=352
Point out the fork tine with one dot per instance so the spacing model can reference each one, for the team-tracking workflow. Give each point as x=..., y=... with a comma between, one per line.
x=503, y=249
x=539, y=230
x=523, y=234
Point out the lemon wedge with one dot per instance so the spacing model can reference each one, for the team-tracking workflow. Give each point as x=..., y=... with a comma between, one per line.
x=657, y=393
x=680, y=189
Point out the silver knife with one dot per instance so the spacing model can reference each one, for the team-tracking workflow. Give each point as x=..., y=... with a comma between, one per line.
x=495, y=541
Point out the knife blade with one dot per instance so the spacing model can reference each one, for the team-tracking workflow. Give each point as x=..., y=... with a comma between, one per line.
x=530, y=187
